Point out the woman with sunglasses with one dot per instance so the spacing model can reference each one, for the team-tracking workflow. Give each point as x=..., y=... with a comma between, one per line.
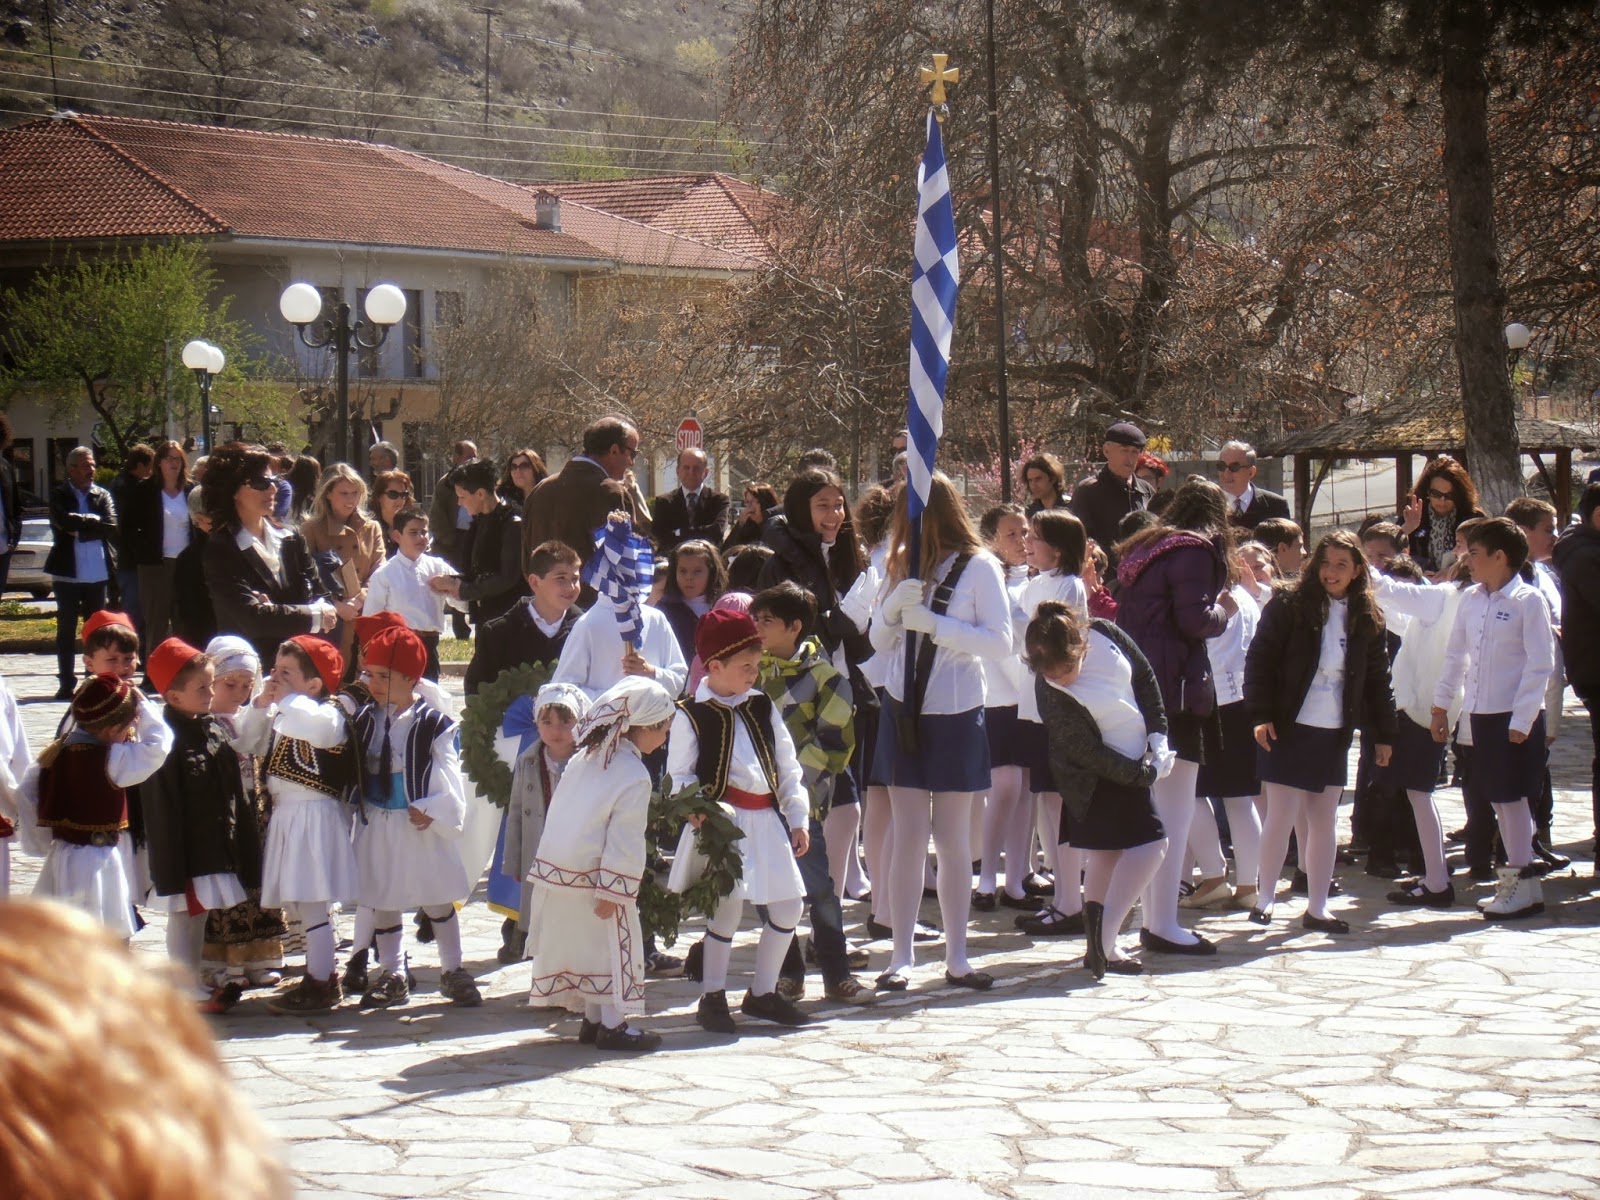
x=261, y=578
x=1443, y=498
x=524, y=470
x=391, y=491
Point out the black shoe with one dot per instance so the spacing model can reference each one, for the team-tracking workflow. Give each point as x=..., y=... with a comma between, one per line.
x=1050, y=923
x=930, y=893
x=877, y=932
x=1038, y=885
x=1160, y=945
x=425, y=928
x=587, y=1031
x=389, y=992
x=355, y=974
x=694, y=962
x=513, y=941
x=773, y=1007
x=1094, y=955
x=977, y=981
x=924, y=932
x=713, y=1015
x=623, y=1038
x=1551, y=860
x=1381, y=868
x=1324, y=924
x=983, y=902
x=1481, y=874
x=1124, y=966
x=1344, y=858
x=1259, y=916
x=1026, y=904
x=1299, y=885
x=1417, y=895
x=65, y=691
x=1459, y=835
x=460, y=988
x=658, y=962
x=854, y=958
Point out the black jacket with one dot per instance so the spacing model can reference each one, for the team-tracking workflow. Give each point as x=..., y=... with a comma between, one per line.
x=194, y=617
x=494, y=578
x=141, y=523
x=1282, y=662
x=1577, y=559
x=1419, y=543
x=515, y=640
x=1079, y=756
x=70, y=526
x=121, y=489
x=1264, y=506
x=797, y=557
x=671, y=523
x=1101, y=503
x=235, y=576
x=197, y=819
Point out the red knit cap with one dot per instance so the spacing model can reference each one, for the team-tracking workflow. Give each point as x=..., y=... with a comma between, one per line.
x=167, y=659
x=368, y=627
x=98, y=621
x=722, y=632
x=326, y=657
x=103, y=702
x=398, y=649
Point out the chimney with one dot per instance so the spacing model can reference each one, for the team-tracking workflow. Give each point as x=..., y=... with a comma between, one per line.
x=547, y=212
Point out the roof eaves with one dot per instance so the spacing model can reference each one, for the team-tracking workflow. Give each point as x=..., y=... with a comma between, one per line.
x=88, y=127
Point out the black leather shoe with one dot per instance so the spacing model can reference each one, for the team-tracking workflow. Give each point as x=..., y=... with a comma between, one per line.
x=587, y=1031
x=1094, y=954
x=1023, y=903
x=1038, y=885
x=1324, y=924
x=1417, y=895
x=713, y=1015
x=1124, y=966
x=1160, y=945
x=1050, y=923
x=623, y=1038
x=1299, y=885
x=983, y=902
x=1481, y=874
x=1259, y=916
x=773, y=1007
x=1552, y=860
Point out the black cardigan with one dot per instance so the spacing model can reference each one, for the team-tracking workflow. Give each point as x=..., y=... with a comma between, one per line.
x=235, y=576
x=1282, y=662
x=798, y=557
x=141, y=520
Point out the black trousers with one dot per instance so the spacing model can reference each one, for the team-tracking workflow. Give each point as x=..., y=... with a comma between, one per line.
x=74, y=601
x=1591, y=704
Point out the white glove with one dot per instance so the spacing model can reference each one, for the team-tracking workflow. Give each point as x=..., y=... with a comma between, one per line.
x=1159, y=755
x=907, y=591
x=918, y=618
x=1156, y=743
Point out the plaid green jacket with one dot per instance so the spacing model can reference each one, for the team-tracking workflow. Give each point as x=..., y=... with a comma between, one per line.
x=814, y=698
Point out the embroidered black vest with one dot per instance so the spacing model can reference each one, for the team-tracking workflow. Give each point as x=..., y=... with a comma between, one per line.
x=332, y=772
x=713, y=731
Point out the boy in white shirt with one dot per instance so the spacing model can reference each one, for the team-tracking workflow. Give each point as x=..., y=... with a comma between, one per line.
x=1502, y=651
x=400, y=584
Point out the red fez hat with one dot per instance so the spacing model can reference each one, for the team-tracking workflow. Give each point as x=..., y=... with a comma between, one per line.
x=103, y=701
x=167, y=659
x=367, y=627
x=98, y=621
x=722, y=632
x=398, y=649
x=325, y=657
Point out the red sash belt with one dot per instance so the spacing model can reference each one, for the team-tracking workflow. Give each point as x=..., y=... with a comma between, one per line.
x=751, y=800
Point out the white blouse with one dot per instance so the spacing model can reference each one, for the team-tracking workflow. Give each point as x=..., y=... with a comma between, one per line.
x=1004, y=680
x=1324, y=703
x=1104, y=686
x=1228, y=649
x=174, y=524
x=974, y=631
x=1050, y=585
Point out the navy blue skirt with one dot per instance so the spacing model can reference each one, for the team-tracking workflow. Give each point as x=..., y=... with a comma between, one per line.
x=1415, y=762
x=951, y=754
x=1035, y=747
x=1228, y=768
x=1502, y=771
x=1004, y=728
x=1118, y=816
x=1307, y=758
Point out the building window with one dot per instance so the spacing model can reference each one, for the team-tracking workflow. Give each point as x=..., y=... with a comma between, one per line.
x=20, y=455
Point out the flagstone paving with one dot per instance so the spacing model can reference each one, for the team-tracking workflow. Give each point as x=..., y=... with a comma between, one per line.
x=1427, y=1055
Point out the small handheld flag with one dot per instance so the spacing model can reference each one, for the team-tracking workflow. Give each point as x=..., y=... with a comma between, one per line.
x=622, y=570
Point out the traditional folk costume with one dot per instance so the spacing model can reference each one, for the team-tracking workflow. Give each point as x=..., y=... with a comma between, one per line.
x=80, y=788
x=738, y=748
x=413, y=762
x=15, y=758
x=309, y=766
x=592, y=849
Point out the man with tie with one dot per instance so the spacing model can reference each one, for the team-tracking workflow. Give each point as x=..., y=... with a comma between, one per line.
x=1248, y=505
x=692, y=510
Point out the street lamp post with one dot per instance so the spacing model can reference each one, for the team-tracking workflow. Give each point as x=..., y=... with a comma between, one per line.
x=1517, y=338
x=301, y=306
x=206, y=361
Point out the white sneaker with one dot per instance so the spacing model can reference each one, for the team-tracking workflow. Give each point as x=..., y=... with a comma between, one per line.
x=1517, y=893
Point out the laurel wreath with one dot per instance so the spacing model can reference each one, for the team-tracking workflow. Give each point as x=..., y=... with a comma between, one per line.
x=717, y=838
x=480, y=726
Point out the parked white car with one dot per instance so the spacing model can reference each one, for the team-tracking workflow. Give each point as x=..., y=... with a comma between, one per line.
x=27, y=559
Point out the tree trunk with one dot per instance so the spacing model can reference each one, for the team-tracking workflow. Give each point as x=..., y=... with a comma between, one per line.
x=1493, y=455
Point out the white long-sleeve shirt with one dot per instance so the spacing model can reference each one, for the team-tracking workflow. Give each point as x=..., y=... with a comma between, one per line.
x=858, y=604
x=15, y=757
x=1003, y=679
x=1049, y=585
x=1228, y=649
x=446, y=801
x=314, y=721
x=1428, y=612
x=592, y=657
x=975, y=629
x=1501, y=653
x=400, y=584
x=744, y=768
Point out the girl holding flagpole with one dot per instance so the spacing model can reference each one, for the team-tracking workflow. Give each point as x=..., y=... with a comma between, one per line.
x=932, y=749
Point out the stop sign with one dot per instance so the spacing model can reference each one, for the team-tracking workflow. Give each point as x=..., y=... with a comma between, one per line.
x=690, y=435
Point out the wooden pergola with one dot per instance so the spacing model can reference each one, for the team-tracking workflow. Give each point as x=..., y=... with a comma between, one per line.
x=1400, y=429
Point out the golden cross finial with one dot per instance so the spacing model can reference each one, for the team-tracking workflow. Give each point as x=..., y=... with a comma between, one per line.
x=936, y=77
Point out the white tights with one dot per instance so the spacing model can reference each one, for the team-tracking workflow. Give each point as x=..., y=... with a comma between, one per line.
x=186, y=939
x=776, y=932
x=1114, y=879
x=1430, y=835
x=1516, y=831
x=876, y=824
x=839, y=829
x=1205, y=842
x=1005, y=792
x=1065, y=862
x=1174, y=801
x=948, y=815
x=1285, y=808
x=314, y=917
x=1244, y=826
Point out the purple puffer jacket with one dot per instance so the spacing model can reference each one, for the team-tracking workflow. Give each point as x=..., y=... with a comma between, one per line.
x=1168, y=605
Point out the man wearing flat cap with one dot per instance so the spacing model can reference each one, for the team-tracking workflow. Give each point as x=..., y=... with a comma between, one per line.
x=1101, y=502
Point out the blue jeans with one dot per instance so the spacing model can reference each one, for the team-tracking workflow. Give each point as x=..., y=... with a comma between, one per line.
x=827, y=917
x=128, y=585
x=74, y=601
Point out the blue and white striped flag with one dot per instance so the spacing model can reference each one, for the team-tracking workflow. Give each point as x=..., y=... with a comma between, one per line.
x=934, y=279
x=622, y=570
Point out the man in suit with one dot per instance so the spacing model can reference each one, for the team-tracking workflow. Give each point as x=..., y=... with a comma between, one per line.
x=572, y=504
x=83, y=520
x=449, y=524
x=691, y=510
x=10, y=505
x=1102, y=501
x=1248, y=505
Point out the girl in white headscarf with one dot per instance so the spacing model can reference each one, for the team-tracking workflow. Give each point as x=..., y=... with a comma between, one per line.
x=584, y=919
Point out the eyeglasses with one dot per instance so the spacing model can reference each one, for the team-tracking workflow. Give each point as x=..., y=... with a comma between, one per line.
x=522, y=465
x=1434, y=494
x=262, y=483
x=631, y=451
x=397, y=495
x=1228, y=468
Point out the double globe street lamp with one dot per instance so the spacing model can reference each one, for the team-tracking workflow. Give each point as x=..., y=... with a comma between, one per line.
x=301, y=306
x=206, y=361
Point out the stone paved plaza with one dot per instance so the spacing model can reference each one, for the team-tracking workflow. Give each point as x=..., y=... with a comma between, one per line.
x=1428, y=1054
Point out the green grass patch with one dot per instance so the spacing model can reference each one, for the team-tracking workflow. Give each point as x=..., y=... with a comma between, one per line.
x=455, y=650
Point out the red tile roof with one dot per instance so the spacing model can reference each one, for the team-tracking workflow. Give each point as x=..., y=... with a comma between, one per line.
x=713, y=208
x=91, y=177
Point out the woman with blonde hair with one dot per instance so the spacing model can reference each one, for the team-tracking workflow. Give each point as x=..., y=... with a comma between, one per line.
x=932, y=749
x=346, y=544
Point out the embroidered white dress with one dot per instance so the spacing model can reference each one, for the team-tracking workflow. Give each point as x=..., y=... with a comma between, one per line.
x=592, y=849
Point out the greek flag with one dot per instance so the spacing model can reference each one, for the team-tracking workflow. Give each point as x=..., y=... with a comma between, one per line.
x=622, y=570
x=933, y=316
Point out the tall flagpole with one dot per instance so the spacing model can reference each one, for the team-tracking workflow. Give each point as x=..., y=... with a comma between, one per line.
x=997, y=262
x=935, y=276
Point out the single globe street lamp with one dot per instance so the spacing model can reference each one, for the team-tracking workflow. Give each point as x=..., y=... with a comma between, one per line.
x=206, y=361
x=301, y=306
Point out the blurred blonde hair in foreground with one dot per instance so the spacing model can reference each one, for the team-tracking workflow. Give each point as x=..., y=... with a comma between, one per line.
x=110, y=1086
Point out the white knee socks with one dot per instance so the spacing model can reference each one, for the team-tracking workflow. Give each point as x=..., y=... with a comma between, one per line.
x=1516, y=832
x=776, y=935
x=1174, y=802
x=1069, y=879
x=390, y=928
x=720, y=928
x=446, y=935
x=314, y=919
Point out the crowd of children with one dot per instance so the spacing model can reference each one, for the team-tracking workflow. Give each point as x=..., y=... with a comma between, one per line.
x=989, y=689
